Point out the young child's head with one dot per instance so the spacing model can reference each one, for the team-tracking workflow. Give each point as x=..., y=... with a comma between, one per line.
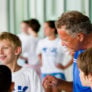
x=24, y=26
x=85, y=67
x=49, y=28
x=34, y=26
x=6, y=84
x=10, y=48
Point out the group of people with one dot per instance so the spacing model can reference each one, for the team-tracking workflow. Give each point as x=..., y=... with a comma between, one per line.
x=46, y=55
x=23, y=56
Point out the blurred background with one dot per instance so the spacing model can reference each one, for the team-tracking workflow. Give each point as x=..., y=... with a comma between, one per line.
x=12, y=12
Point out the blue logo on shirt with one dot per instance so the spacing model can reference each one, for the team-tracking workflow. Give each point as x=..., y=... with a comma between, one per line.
x=50, y=51
x=22, y=89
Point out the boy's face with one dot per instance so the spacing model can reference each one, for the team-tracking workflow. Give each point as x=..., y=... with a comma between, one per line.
x=8, y=53
x=86, y=80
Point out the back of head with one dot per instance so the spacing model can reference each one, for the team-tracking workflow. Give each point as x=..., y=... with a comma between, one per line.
x=85, y=61
x=5, y=79
x=75, y=22
x=35, y=25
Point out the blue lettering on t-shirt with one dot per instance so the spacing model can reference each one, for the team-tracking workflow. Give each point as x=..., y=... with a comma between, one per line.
x=44, y=49
x=54, y=50
x=22, y=89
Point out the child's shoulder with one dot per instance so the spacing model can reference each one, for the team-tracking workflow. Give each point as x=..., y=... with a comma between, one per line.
x=29, y=72
x=44, y=39
x=27, y=69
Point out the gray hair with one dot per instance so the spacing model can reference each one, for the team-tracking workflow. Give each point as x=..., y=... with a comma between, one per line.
x=74, y=22
x=82, y=27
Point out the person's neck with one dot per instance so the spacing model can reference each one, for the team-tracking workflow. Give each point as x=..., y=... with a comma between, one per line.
x=52, y=37
x=25, y=33
x=88, y=41
x=34, y=34
x=14, y=66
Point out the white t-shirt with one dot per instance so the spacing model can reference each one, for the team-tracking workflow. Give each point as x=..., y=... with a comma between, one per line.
x=26, y=80
x=52, y=53
x=29, y=45
x=25, y=40
x=32, y=56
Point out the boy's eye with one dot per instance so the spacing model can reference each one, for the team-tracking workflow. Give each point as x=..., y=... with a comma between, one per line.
x=5, y=47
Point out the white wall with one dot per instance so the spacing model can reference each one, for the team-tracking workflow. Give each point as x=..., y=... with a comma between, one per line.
x=12, y=12
x=3, y=15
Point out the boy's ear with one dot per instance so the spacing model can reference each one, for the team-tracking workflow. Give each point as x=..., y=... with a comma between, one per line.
x=18, y=50
x=12, y=86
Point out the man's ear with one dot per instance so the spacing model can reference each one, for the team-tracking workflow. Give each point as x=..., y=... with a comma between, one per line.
x=18, y=50
x=80, y=37
x=12, y=87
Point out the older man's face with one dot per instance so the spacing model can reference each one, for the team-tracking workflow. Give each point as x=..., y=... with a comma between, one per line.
x=67, y=40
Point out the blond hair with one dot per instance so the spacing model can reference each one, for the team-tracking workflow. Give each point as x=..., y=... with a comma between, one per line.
x=15, y=41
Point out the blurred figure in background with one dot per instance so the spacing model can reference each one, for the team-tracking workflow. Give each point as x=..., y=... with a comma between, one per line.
x=25, y=39
x=33, y=29
x=29, y=38
x=50, y=53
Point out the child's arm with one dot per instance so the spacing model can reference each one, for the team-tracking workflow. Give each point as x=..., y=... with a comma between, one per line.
x=69, y=64
x=40, y=59
x=60, y=66
x=39, y=52
x=24, y=58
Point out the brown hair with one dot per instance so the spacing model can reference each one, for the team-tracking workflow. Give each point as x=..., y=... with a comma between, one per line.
x=85, y=61
x=35, y=25
x=51, y=24
x=11, y=37
x=25, y=21
x=74, y=22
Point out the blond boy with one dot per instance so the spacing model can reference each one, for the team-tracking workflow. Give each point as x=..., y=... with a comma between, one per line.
x=25, y=79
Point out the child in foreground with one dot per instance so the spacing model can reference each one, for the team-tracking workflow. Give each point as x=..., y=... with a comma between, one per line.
x=25, y=79
x=6, y=84
x=85, y=66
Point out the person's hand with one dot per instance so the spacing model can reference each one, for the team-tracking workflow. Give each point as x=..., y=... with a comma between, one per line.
x=50, y=81
x=60, y=66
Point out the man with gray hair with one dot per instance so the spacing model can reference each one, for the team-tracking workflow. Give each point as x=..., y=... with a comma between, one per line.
x=75, y=30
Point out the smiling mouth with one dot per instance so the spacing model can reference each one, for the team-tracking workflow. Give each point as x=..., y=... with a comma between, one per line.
x=2, y=57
